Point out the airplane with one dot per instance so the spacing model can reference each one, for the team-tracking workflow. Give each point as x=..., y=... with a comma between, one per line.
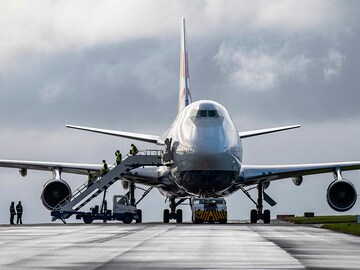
x=204, y=154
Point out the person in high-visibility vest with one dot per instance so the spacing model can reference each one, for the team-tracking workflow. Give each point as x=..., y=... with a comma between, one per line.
x=118, y=157
x=90, y=178
x=12, y=213
x=105, y=169
x=133, y=150
x=19, y=212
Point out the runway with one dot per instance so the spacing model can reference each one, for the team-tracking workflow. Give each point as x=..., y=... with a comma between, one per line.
x=173, y=246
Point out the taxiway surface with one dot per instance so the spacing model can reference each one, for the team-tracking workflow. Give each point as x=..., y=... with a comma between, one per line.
x=176, y=246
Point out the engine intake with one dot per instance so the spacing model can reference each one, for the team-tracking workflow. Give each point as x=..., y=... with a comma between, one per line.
x=54, y=191
x=341, y=195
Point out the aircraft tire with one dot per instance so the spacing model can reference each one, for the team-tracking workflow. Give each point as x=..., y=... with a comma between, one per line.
x=266, y=216
x=253, y=216
x=166, y=215
x=179, y=216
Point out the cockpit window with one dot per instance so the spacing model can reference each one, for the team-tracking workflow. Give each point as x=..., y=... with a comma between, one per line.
x=207, y=113
x=201, y=113
x=213, y=113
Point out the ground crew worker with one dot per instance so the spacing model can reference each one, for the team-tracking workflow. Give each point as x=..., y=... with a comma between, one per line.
x=12, y=213
x=90, y=178
x=19, y=212
x=105, y=169
x=118, y=157
x=133, y=150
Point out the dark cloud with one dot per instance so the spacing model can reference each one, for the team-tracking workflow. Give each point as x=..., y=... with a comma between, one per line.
x=265, y=62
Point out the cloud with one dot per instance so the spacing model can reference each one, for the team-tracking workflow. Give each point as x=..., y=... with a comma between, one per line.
x=261, y=68
x=115, y=64
x=44, y=27
x=50, y=92
x=333, y=64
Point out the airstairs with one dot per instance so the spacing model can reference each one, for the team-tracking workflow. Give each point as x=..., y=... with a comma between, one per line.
x=86, y=193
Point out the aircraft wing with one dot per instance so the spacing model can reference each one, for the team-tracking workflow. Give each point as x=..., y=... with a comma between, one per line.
x=77, y=168
x=257, y=132
x=253, y=174
x=146, y=175
x=128, y=135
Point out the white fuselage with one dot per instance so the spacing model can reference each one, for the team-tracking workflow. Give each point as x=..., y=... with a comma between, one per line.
x=206, y=150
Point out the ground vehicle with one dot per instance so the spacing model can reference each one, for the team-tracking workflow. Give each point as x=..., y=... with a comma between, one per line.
x=208, y=210
x=122, y=210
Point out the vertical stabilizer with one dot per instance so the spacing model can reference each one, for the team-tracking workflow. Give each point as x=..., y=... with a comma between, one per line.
x=184, y=91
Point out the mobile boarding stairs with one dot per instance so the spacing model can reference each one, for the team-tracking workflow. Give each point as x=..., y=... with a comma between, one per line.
x=86, y=193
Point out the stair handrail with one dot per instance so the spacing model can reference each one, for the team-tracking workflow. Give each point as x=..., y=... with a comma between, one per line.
x=98, y=176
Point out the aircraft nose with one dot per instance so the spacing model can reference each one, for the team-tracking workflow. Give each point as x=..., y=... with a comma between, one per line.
x=209, y=145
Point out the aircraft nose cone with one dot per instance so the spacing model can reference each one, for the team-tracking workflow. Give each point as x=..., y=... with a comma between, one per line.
x=209, y=145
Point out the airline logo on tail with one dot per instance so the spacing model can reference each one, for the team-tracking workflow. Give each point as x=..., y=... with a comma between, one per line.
x=184, y=91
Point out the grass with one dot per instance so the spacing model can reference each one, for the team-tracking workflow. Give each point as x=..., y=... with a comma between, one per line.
x=322, y=219
x=350, y=228
x=344, y=224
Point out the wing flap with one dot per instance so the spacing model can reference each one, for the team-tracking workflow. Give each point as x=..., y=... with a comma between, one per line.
x=123, y=134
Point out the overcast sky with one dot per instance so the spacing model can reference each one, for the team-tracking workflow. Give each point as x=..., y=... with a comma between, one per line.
x=115, y=64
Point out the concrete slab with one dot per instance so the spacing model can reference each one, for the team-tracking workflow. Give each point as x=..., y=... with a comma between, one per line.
x=173, y=246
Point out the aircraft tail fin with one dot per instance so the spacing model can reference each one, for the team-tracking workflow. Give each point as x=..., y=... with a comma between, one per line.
x=184, y=91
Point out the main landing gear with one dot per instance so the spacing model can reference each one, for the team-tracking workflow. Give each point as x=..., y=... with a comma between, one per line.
x=131, y=196
x=173, y=213
x=259, y=213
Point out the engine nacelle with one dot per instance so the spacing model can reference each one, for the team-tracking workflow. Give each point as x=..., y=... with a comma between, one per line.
x=341, y=195
x=54, y=191
x=297, y=180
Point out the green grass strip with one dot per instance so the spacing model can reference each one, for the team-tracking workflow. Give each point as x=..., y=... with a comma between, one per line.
x=349, y=228
x=322, y=219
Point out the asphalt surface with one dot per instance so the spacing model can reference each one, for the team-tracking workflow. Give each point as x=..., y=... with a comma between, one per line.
x=173, y=246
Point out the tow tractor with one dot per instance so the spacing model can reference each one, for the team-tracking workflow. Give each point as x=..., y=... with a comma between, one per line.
x=122, y=211
x=208, y=210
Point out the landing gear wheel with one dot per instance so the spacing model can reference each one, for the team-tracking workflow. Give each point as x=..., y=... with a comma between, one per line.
x=253, y=216
x=127, y=218
x=139, y=213
x=166, y=216
x=179, y=216
x=266, y=216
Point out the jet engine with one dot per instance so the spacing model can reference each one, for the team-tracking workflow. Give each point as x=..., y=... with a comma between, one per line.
x=341, y=195
x=54, y=191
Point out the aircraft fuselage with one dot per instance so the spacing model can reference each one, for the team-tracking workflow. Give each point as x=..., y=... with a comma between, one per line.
x=206, y=150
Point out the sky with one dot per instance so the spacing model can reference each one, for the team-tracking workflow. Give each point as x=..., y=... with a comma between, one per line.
x=115, y=65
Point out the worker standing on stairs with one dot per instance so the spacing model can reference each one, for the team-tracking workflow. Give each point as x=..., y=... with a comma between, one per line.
x=105, y=169
x=118, y=157
x=90, y=178
x=133, y=150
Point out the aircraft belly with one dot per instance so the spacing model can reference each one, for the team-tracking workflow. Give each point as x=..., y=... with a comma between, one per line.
x=206, y=174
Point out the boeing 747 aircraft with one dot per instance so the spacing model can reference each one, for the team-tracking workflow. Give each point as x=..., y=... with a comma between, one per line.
x=205, y=159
